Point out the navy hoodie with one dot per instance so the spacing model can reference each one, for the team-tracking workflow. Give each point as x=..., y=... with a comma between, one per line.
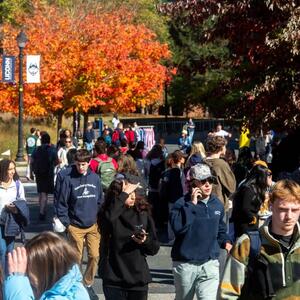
x=77, y=197
x=199, y=229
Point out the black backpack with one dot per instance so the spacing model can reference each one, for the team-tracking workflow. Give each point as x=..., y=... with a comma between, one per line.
x=258, y=279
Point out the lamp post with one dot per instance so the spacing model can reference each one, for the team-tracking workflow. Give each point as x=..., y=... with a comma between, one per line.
x=21, y=40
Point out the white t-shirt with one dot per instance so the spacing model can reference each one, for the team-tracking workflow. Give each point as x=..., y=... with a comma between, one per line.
x=115, y=122
x=222, y=133
x=9, y=195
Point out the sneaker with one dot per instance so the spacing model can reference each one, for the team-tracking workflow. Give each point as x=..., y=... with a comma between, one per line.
x=92, y=293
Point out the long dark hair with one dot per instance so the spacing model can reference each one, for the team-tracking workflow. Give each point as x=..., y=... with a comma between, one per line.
x=257, y=179
x=4, y=166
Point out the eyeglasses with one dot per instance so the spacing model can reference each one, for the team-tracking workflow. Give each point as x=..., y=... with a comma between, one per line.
x=210, y=180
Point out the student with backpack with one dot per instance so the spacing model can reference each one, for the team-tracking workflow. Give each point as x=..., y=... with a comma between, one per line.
x=266, y=265
x=118, y=135
x=103, y=165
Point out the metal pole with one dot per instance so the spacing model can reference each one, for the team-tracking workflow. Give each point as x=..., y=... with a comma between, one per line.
x=20, y=154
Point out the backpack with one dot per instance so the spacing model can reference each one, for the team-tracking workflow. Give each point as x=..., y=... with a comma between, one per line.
x=115, y=136
x=41, y=165
x=106, y=172
x=258, y=273
x=30, y=142
x=130, y=135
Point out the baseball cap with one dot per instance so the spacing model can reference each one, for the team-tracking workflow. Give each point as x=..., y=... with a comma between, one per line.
x=201, y=172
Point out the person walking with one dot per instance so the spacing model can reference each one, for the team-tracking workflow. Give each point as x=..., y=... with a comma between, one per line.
x=44, y=160
x=191, y=130
x=103, y=165
x=249, y=198
x=226, y=184
x=78, y=198
x=127, y=235
x=200, y=231
x=266, y=265
x=89, y=137
x=11, y=188
x=47, y=268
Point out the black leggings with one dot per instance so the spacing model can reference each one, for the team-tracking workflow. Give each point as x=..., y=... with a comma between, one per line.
x=112, y=293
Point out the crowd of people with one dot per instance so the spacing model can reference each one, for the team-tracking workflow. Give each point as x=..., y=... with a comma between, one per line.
x=233, y=230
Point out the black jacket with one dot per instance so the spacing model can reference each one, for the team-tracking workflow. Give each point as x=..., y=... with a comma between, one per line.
x=123, y=261
x=246, y=205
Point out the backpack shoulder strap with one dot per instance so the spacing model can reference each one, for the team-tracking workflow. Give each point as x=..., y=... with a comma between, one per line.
x=18, y=188
x=99, y=164
x=255, y=244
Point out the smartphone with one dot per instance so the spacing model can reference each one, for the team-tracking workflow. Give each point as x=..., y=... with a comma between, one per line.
x=138, y=232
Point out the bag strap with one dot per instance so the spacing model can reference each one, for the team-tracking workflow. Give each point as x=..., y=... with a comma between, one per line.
x=255, y=247
x=18, y=188
x=255, y=244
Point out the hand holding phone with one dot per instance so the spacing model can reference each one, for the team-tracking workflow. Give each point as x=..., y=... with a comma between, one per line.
x=196, y=195
x=139, y=236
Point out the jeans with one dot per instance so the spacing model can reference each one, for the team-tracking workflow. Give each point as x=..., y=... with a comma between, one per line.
x=194, y=278
x=6, y=245
x=114, y=293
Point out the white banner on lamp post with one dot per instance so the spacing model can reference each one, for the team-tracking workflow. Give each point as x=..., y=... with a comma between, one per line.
x=33, y=68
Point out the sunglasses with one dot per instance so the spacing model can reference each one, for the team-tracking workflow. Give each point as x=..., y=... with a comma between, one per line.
x=210, y=180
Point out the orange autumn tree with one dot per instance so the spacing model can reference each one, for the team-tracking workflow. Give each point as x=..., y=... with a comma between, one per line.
x=87, y=60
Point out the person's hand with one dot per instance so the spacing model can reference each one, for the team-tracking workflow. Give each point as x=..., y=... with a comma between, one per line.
x=228, y=247
x=196, y=194
x=129, y=188
x=141, y=238
x=17, y=261
x=11, y=208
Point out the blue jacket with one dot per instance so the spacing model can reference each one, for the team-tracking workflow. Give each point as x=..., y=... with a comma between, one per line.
x=69, y=287
x=77, y=197
x=199, y=229
x=15, y=223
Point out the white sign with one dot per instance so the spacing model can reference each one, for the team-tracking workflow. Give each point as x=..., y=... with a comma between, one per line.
x=33, y=68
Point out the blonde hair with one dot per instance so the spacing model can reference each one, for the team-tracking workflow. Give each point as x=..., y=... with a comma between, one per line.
x=49, y=257
x=287, y=190
x=197, y=148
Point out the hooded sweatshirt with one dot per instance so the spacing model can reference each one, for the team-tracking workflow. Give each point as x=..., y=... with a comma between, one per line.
x=78, y=198
x=122, y=260
x=17, y=287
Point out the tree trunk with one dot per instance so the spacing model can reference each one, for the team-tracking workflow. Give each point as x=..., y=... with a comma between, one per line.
x=76, y=121
x=59, y=122
x=85, y=120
